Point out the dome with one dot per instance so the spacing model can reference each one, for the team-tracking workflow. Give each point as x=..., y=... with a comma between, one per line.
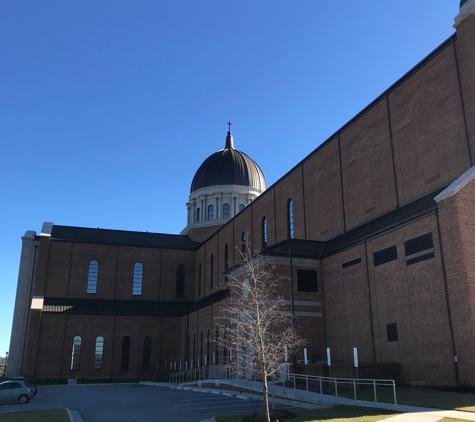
x=229, y=167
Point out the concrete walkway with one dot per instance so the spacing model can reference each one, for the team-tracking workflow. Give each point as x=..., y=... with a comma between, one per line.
x=421, y=414
x=409, y=413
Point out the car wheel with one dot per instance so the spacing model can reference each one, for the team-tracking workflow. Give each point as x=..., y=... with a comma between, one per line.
x=23, y=399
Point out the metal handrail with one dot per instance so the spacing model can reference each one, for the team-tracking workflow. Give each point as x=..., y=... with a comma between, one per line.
x=337, y=387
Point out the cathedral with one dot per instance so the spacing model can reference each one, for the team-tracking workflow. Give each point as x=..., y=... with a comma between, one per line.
x=374, y=230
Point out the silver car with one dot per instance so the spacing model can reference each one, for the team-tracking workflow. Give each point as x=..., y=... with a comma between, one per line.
x=12, y=391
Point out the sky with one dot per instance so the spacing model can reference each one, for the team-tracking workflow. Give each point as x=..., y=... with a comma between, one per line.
x=108, y=107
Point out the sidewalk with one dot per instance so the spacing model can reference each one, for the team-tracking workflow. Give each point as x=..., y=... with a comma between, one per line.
x=313, y=400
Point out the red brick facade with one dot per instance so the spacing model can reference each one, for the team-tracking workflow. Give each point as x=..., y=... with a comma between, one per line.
x=416, y=309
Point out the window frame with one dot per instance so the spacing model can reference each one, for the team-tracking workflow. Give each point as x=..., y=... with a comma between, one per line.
x=147, y=353
x=92, y=276
x=210, y=213
x=137, y=281
x=180, y=281
x=226, y=211
x=211, y=278
x=264, y=232
x=99, y=353
x=290, y=219
x=76, y=354
x=243, y=242
x=125, y=354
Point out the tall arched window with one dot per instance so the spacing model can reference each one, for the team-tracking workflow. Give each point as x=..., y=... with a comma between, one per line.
x=92, y=276
x=243, y=242
x=241, y=207
x=76, y=353
x=226, y=257
x=125, y=357
x=290, y=219
x=180, y=281
x=199, y=278
x=210, y=213
x=211, y=279
x=147, y=353
x=226, y=211
x=264, y=232
x=137, y=283
x=197, y=216
x=99, y=352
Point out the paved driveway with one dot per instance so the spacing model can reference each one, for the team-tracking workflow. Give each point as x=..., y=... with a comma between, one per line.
x=135, y=402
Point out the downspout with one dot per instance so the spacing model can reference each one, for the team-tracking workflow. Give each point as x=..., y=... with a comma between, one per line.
x=369, y=300
x=449, y=311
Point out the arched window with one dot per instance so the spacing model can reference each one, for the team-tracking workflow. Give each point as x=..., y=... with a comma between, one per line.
x=147, y=353
x=124, y=361
x=226, y=211
x=290, y=219
x=243, y=242
x=92, y=276
x=210, y=213
x=226, y=260
x=180, y=281
x=76, y=353
x=199, y=279
x=264, y=232
x=211, y=279
x=99, y=352
x=241, y=207
x=137, y=283
x=197, y=217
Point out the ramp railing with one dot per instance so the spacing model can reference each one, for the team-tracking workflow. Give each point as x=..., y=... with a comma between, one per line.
x=339, y=390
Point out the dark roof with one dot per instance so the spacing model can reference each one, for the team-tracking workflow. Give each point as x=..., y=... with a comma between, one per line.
x=121, y=237
x=229, y=167
x=299, y=247
x=129, y=307
x=462, y=2
x=402, y=215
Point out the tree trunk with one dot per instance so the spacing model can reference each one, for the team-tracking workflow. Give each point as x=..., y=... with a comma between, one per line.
x=266, y=394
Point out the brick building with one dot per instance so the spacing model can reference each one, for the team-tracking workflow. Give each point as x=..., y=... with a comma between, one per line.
x=376, y=224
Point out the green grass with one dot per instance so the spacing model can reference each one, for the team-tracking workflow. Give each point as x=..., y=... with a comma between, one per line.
x=332, y=414
x=419, y=396
x=452, y=420
x=51, y=415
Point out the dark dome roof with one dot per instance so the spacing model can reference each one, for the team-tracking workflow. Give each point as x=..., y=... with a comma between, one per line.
x=229, y=167
x=462, y=2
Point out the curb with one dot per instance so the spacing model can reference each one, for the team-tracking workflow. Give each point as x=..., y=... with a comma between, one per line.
x=74, y=415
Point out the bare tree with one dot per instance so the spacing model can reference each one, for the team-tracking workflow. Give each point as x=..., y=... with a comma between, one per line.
x=259, y=333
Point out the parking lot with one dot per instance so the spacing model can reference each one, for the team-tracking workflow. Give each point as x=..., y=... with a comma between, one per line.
x=136, y=402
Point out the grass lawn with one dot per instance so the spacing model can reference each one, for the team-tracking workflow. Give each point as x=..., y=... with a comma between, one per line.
x=453, y=420
x=50, y=415
x=419, y=396
x=333, y=414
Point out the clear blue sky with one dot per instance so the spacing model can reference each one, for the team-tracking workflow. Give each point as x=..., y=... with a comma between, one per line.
x=108, y=107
